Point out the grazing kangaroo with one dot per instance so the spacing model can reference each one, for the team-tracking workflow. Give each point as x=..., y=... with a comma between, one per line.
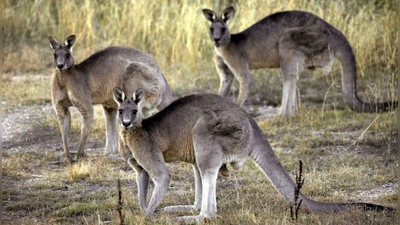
x=291, y=40
x=207, y=131
x=92, y=81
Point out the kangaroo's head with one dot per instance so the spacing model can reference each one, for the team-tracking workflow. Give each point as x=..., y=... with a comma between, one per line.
x=129, y=115
x=63, y=58
x=219, y=32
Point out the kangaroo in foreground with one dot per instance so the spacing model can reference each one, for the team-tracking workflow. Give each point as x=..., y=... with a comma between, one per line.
x=92, y=81
x=209, y=132
x=291, y=40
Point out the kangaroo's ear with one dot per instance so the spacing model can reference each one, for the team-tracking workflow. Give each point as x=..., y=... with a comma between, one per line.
x=210, y=15
x=53, y=42
x=70, y=41
x=138, y=96
x=119, y=95
x=228, y=14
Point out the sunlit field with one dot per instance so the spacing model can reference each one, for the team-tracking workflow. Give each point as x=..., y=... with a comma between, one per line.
x=347, y=156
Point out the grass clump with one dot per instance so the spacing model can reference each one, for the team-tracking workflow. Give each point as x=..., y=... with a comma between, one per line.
x=77, y=209
x=176, y=33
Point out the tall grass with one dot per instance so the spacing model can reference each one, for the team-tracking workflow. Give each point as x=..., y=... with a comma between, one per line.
x=176, y=33
x=344, y=154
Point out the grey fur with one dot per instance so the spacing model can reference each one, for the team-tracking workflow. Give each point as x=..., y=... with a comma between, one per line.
x=92, y=81
x=209, y=132
x=292, y=41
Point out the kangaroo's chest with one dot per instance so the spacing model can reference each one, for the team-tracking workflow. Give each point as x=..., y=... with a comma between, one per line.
x=59, y=92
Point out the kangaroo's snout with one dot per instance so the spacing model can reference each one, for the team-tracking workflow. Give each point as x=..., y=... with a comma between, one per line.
x=63, y=61
x=126, y=125
x=216, y=42
x=60, y=66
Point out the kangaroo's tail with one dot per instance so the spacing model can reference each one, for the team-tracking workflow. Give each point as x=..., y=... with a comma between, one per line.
x=344, y=53
x=265, y=158
x=323, y=207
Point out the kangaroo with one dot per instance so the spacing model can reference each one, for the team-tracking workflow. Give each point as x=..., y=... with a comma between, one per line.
x=209, y=132
x=92, y=81
x=291, y=40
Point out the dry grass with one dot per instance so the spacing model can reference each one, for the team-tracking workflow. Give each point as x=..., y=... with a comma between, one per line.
x=175, y=32
x=347, y=156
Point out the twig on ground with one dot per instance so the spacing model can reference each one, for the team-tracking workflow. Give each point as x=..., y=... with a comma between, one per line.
x=295, y=207
x=120, y=203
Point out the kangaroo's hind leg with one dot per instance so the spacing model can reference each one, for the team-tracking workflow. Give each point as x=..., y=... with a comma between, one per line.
x=291, y=66
x=301, y=47
x=209, y=160
x=111, y=130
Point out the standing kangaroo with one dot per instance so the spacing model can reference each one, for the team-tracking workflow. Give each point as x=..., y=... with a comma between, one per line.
x=291, y=40
x=92, y=81
x=207, y=131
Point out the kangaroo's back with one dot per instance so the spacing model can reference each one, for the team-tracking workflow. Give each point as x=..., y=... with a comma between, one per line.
x=112, y=58
x=261, y=43
x=185, y=111
x=110, y=62
x=224, y=119
x=128, y=68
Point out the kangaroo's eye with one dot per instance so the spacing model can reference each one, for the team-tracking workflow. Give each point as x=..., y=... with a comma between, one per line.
x=55, y=56
x=67, y=55
x=134, y=111
x=211, y=29
x=120, y=111
x=223, y=30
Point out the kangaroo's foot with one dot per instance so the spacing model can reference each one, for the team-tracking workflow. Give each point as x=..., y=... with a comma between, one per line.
x=80, y=155
x=191, y=219
x=178, y=209
x=116, y=157
x=68, y=159
x=110, y=151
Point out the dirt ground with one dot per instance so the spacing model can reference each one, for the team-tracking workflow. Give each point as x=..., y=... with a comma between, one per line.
x=23, y=130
